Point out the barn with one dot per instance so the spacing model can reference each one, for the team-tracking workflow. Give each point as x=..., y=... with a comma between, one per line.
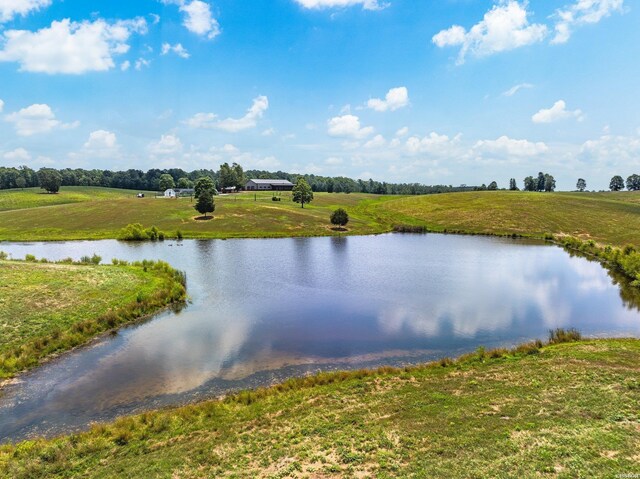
x=268, y=185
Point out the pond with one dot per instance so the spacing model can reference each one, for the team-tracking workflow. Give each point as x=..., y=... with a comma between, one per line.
x=265, y=310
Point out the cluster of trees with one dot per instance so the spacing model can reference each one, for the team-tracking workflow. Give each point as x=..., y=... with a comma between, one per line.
x=543, y=182
x=226, y=176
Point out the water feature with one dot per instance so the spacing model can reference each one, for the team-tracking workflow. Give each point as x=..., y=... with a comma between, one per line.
x=265, y=310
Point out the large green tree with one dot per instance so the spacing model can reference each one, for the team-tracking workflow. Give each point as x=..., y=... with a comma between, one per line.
x=50, y=180
x=205, y=203
x=185, y=183
x=493, y=186
x=513, y=186
x=302, y=192
x=204, y=183
x=617, y=183
x=227, y=176
x=633, y=183
x=581, y=185
x=530, y=184
x=166, y=182
x=549, y=183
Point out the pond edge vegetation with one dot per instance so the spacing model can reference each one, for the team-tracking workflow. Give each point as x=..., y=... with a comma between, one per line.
x=126, y=435
x=38, y=350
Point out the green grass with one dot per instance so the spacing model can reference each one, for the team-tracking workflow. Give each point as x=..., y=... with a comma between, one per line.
x=238, y=216
x=607, y=218
x=567, y=410
x=98, y=213
x=36, y=197
x=48, y=308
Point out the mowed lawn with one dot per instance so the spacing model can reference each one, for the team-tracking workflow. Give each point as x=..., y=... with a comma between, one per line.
x=609, y=218
x=42, y=305
x=569, y=411
x=36, y=197
x=103, y=216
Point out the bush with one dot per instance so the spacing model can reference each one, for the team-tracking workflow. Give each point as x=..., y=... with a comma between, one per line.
x=339, y=217
x=133, y=232
x=30, y=258
x=561, y=335
x=3, y=255
x=179, y=234
x=136, y=232
x=276, y=198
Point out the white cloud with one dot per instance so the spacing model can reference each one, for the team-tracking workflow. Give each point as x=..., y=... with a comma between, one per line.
x=9, y=9
x=1, y=106
x=19, y=154
x=70, y=47
x=101, y=140
x=557, y=112
x=377, y=141
x=320, y=4
x=583, y=12
x=395, y=99
x=198, y=17
x=433, y=143
x=348, y=126
x=404, y=131
x=142, y=63
x=612, y=151
x=232, y=125
x=167, y=145
x=509, y=147
x=515, y=89
x=124, y=66
x=38, y=118
x=505, y=27
x=178, y=49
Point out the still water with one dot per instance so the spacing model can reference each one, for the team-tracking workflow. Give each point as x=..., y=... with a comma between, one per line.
x=265, y=310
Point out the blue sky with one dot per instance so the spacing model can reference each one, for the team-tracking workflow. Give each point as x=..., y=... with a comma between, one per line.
x=451, y=92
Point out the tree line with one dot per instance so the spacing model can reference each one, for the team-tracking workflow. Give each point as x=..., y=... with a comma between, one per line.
x=234, y=176
x=227, y=176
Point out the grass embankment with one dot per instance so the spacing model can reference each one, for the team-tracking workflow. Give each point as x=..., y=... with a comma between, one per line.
x=47, y=308
x=566, y=410
x=607, y=218
x=90, y=216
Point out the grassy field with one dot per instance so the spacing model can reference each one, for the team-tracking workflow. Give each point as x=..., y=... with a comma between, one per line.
x=49, y=308
x=36, y=197
x=608, y=218
x=96, y=213
x=571, y=410
x=83, y=215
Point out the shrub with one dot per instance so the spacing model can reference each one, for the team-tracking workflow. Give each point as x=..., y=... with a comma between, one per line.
x=628, y=249
x=30, y=258
x=136, y=232
x=95, y=259
x=561, y=335
x=339, y=217
x=133, y=232
x=3, y=255
x=179, y=235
